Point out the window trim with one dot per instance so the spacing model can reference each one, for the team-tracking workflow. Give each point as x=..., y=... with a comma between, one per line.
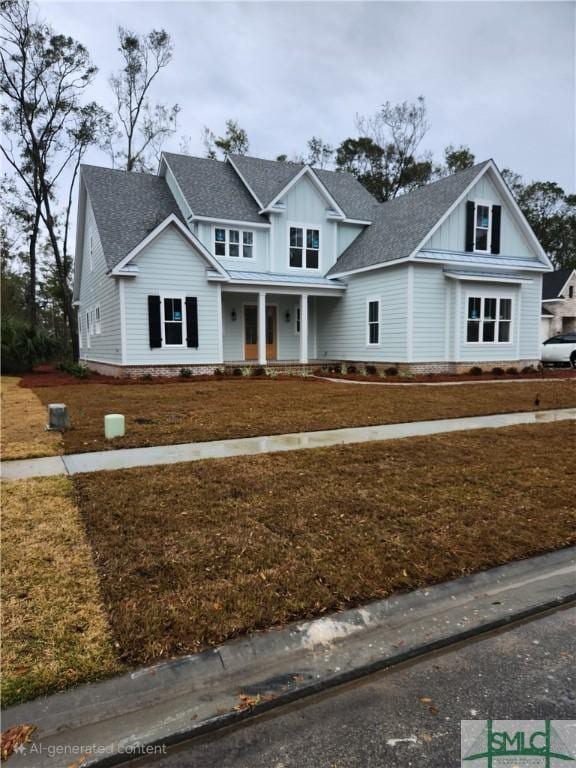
x=97, y=320
x=182, y=297
x=236, y=259
x=87, y=316
x=297, y=320
x=485, y=204
x=372, y=300
x=304, y=227
x=482, y=296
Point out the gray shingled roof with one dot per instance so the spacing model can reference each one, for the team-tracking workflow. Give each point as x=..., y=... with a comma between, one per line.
x=267, y=178
x=212, y=188
x=127, y=207
x=401, y=224
x=553, y=282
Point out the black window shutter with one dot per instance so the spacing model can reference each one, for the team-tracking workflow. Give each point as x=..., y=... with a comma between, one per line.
x=192, y=321
x=496, y=219
x=154, y=324
x=470, y=225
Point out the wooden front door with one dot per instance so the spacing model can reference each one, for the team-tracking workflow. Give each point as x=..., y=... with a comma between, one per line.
x=251, y=332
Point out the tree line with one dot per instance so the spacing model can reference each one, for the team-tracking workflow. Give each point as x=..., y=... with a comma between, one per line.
x=48, y=123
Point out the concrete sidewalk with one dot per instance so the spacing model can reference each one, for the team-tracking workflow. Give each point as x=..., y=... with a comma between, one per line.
x=220, y=449
x=109, y=722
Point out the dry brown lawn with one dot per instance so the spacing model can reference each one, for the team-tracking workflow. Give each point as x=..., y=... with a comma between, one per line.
x=54, y=629
x=23, y=421
x=193, y=554
x=160, y=414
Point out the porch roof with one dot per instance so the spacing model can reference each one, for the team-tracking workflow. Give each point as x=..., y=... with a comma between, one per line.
x=241, y=277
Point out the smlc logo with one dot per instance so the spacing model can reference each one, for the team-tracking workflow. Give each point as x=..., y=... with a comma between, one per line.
x=518, y=743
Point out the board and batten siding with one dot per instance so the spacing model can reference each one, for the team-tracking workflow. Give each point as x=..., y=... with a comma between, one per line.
x=169, y=266
x=451, y=235
x=342, y=322
x=97, y=288
x=287, y=339
x=304, y=206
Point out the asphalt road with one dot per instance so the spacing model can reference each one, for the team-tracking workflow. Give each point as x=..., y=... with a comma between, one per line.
x=410, y=715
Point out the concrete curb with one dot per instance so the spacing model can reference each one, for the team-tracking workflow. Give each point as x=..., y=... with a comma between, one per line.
x=440, y=383
x=183, y=698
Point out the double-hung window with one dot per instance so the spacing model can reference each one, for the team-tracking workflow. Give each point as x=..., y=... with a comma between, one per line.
x=97, y=321
x=482, y=227
x=233, y=243
x=489, y=320
x=173, y=321
x=304, y=248
x=373, y=335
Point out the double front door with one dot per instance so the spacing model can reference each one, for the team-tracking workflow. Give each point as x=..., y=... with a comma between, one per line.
x=251, y=332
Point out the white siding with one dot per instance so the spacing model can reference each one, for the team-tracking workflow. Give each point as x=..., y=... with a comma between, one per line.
x=170, y=266
x=96, y=287
x=342, y=322
x=429, y=327
x=347, y=233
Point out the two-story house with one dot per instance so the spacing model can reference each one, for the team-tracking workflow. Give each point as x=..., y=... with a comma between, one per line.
x=558, y=302
x=251, y=261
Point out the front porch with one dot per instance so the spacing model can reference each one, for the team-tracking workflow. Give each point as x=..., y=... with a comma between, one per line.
x=270, y=329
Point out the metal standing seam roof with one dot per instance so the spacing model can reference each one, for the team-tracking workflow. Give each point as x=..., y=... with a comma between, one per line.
x=127, y=207
x=401, y=224
x=238, y=275
x=212, y=188
x=553, y=282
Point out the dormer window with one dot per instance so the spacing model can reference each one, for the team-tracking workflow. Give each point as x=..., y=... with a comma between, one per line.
x=304, y=248
x=482, y=233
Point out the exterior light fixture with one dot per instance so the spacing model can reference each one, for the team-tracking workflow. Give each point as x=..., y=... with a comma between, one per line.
x=233, y=315
x=287, y=315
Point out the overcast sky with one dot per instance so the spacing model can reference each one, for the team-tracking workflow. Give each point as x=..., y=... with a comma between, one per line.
x=498, y=76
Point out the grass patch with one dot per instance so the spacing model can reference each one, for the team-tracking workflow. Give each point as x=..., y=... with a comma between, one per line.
x=54, y=628
x=23, y=420
x=194, y=554
x=214, y=410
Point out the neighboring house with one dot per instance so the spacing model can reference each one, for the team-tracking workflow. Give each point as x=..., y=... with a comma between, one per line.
x=215, y=263
x=558, y=303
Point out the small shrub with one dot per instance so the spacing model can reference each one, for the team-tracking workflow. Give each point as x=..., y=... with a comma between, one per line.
x=146, y=377
x=528, y=369
x=259, y=371
x=185, y=373
x=475, y=371
x=343, y=368
x=351, y=369
x=497, y=371
x=218, y=372
x=512, y=371
x=392, y=371
x=371, y=370
x=237, y=372
x=272, y=373
x=74, y=369
x=246, y=371
x=406, y=375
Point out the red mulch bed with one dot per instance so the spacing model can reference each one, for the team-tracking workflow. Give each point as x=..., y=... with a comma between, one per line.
x=48, y=376
x=437, y=378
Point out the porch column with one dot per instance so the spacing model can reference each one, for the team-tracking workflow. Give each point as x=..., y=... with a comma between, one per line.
x=262, y=328
x=304, y=328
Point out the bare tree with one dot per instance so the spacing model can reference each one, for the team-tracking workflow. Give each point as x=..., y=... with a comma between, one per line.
x=143, y=126
x=46, y=128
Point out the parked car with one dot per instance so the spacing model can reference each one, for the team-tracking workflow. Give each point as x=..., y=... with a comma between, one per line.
x=560, y=350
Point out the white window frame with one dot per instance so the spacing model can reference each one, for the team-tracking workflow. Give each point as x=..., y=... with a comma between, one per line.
x=378, y=322
x=240, y=258
x=305, y=228
x=182, y=297
x=497, y=297
x=87, y=315
x=297, y=320
x=97, y=320
x=80, y=339
x=484, y=204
